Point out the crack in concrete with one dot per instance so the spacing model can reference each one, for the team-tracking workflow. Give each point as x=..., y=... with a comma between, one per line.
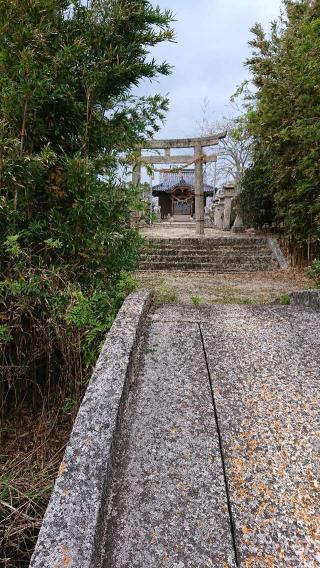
x=231, y=519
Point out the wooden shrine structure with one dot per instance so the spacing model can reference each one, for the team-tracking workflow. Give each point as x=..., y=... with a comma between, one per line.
x=175, y=193
x=199, y=158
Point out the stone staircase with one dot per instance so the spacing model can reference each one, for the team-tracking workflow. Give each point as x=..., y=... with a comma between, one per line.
x=216, y=255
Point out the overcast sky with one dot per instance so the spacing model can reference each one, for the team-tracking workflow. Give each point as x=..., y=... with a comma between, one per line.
x=212, y=44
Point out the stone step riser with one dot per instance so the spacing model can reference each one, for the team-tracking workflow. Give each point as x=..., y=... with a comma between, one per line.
x=206, y=252
x=206, y=255
x=178, y=243
x=205, y=266
x=240, y=270
x=205, y=242
x=191, y=250
x=208, y=260
x=201, y=249
x=212, y=252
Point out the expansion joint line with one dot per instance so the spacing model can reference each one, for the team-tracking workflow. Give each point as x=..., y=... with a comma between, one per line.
x=231, y=520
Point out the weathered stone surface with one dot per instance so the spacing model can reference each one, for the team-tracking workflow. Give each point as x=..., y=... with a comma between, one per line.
x=277, y=253
x=220, y=255
x=306, y=299
x=71, y=534
x=170, y=507
x=221, y=312
x=238, y=225
x=202, y=314
x=144, y=483
x=265, y=371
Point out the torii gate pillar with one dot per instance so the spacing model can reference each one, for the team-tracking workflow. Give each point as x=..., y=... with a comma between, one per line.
x=199, y=194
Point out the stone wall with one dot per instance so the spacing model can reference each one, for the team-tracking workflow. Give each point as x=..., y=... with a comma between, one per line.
x=74, y=524
x=306, y=299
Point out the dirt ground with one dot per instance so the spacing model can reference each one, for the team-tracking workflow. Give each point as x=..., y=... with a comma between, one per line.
x=244, y=288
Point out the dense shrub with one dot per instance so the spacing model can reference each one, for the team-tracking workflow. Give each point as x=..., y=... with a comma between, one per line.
x=314, y=272
x=66, y=245
x=282, y=185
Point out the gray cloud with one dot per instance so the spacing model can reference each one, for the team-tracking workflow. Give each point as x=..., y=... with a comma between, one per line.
x=212, y=45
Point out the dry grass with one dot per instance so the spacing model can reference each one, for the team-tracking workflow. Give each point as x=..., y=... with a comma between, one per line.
x=32, y=448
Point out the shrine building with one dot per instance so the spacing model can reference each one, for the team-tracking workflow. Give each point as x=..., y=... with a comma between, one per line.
x=176, y=193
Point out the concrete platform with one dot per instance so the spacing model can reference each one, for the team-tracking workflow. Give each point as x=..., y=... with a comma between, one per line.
x=229, y=479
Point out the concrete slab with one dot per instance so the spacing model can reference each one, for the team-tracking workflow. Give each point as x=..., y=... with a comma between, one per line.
x=170, y=507
x=222, y=312
x=265, y=369
x=189, y=314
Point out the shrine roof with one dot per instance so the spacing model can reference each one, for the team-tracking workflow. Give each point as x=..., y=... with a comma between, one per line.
x=175, y=179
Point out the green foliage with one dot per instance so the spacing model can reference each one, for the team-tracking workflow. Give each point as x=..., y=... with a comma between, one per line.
x=314, y=272
x=284, y=300
x=165, y=294
x=197, y=300
x=255, y=202
x=282, y=184
x=68, y=117
x=69, y=405
x=5, y=335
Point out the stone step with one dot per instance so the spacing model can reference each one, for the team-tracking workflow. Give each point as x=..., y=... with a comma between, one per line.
x=212, y=260
x=205, y=258
x=207, y=255
x=220, y=253
x=192, y=249
x=206, y=266
x=203, y=270
x=201, y=243
x=184, y=219
x=205, y=251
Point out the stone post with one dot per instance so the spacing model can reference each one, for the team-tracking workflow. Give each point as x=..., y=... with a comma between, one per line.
x=238, y=225
x=216, y=211
x=136, y=180
x=220, y=214
x=199, y=195
x=228, y=194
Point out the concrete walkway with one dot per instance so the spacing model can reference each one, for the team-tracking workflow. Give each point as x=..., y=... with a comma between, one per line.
x=219, y=465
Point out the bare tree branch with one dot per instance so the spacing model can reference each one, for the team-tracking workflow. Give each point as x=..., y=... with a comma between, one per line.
x=234, y=151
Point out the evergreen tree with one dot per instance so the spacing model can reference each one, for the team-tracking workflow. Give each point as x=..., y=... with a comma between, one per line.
x=284, y=178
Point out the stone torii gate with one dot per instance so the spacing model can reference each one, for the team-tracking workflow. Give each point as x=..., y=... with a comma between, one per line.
x=198, y=159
